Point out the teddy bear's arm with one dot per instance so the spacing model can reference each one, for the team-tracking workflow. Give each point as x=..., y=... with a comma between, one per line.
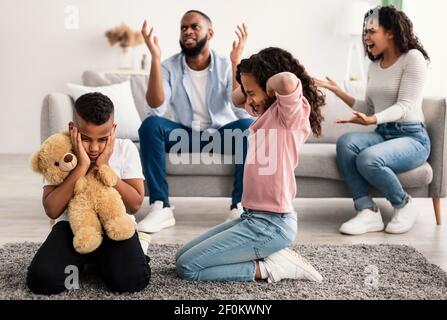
x=80, y=185
x=106, y=175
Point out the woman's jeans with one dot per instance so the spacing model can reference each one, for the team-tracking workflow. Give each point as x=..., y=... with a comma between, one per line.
x=228, y=251
x=374, y=158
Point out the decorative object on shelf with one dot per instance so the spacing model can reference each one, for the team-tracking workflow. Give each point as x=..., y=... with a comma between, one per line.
x=350, y=23
x=127, y=39
x=144, y=63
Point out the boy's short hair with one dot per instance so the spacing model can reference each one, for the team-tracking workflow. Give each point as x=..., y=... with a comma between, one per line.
x=94, y=107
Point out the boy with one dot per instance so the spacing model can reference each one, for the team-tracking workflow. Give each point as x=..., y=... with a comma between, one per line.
x=122, y=264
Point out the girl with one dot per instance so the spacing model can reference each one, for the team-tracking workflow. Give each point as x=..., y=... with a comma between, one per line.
x=393, y=101
x=276, y=89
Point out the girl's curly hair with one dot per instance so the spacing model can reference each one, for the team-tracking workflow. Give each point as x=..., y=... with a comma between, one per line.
x=271, y=61
x=400, y=25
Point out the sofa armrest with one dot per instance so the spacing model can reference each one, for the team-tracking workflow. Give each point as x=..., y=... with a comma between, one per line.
x=56, y=113
x=435, y=111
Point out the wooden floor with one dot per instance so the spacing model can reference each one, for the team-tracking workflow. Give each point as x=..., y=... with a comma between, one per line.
x=23, y=219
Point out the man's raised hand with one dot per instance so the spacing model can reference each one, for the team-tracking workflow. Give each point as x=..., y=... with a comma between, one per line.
x=151, y=41
x=239, y=44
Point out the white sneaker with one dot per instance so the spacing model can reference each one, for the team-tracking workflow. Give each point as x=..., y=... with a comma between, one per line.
x=157, y=219
x=145, y=239
x=288, y=264
x=403, y=219
x=365, y=221
x=235, y=212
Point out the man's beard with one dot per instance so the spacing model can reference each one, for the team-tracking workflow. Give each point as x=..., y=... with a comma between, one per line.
x=194, y=51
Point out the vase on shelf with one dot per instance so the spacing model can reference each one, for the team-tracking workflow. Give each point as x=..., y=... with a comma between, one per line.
x=126, y=58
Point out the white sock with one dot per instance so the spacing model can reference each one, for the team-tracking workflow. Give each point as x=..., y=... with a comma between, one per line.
x=262, y=268
x=144, y=245
x=145, y=239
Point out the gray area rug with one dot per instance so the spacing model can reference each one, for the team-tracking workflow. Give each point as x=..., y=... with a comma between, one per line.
x=350, y=272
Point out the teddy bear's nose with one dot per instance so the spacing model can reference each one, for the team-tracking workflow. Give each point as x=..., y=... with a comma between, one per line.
x=68, y=158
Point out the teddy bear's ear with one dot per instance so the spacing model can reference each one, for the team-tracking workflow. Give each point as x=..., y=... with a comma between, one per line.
x=34, y=162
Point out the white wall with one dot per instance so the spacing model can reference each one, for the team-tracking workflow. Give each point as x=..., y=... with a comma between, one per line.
x=429, y=18
x=39, y=55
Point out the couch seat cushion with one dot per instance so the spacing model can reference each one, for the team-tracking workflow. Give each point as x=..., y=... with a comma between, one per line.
x=319, y=160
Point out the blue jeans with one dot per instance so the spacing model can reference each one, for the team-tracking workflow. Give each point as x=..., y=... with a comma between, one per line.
x=374, y=158
x=154, y=143
x=228, y=251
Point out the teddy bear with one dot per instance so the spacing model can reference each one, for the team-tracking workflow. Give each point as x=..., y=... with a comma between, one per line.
x=95, y=206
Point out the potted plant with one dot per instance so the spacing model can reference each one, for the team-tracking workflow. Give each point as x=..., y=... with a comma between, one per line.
x=126, y=38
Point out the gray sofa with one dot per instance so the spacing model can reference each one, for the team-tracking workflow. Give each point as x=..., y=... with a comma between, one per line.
x=317, y=175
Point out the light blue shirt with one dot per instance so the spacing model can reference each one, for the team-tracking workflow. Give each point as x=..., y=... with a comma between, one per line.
x=177, y=91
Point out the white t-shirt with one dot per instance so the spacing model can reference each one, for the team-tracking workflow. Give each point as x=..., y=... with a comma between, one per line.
x=199, y=80
x=125, y=161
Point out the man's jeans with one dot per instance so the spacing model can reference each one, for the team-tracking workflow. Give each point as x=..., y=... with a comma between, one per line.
x=154, y=135
x=374, y=158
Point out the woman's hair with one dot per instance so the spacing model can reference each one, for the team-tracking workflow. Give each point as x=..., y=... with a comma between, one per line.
x=400, y=25
x=271, y=61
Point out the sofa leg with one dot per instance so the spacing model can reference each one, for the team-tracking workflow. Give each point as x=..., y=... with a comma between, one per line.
x=437, y=207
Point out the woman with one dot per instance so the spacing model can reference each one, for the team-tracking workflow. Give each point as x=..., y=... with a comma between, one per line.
x=393, y=101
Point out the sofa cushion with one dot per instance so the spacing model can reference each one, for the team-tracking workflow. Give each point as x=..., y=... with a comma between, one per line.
x=319, y=161
x=126, y=115
x=335, y=108
x=199, y=164
x=138, y=83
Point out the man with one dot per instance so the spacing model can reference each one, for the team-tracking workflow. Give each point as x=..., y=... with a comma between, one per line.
x=197, y=83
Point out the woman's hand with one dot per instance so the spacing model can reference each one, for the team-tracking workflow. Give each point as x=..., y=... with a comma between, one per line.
x=239, y=44
x=78, y=148
x=359, y=118
x=333, y=86
x=104, y=157
x=151, y=41
x=329, y=84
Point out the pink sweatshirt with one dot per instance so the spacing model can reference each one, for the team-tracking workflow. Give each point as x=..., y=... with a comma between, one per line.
x=273, y=153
